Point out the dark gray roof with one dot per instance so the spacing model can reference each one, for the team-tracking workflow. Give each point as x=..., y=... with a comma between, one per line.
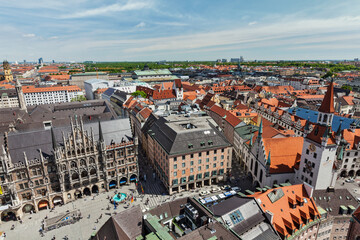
x=337, y=198
x=229, y=205
x=175, y=139
x=126, y=225
x=32, y=142
x=58, y=114
x=109, y=91
x=10, y=92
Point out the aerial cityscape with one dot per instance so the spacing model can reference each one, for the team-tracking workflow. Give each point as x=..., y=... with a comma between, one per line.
x=164, y=120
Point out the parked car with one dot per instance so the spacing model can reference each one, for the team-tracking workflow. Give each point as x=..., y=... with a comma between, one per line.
x=226, y=187
x=203, y=193
x=215, y=189
x=350, y=180
x=236, y=189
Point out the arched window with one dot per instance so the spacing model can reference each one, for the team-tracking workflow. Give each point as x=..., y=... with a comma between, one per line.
x=256, y=168
x=325, y=118
x=92, y=161
x=261, y=176
x=63, y=167
x=82, y=162
x=73, y=165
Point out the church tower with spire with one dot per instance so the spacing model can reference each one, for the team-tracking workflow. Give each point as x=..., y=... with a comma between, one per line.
x=319, y=149
x=7, y=72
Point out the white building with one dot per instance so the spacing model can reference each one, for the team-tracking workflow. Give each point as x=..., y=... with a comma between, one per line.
x=319, y=150
x=92, y=85
x=50, y=94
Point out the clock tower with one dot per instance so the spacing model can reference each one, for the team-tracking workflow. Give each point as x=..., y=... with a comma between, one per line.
x=319, y=150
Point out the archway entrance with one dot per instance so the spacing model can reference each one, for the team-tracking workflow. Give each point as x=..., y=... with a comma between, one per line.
x=358, y=173
x=28, y=208
x=123, y=180
x=8, y=216
x=112, y=184
x=58, y=200
x=78, y=194
x=95, y=189
x=133, y=178
x=343, y=173
x=43, y=204
x=87, y=191
x=351, y=173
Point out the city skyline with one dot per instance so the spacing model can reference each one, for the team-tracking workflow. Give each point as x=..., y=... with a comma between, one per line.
x=132, y=30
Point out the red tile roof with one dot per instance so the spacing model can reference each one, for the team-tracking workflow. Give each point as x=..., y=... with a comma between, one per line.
x=145, y=113
x=287, y=219
x=34, y=89
x=285, y=153
x=228, y=116
x=327, y=105
x=163, y=94
x=178, y=83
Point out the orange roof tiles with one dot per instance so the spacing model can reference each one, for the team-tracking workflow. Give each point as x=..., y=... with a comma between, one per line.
x=163, y=94
x=348, y=100
x=228, y=116
x=34, y=89
x=286, y=218
x=145, y=112
x=7, y=86
x=285, y=153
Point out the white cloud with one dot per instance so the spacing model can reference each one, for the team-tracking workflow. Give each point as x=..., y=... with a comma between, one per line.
x=29, y=35
x=252, y=23
x=128, y=6
x=53, y=37
x=140, y=25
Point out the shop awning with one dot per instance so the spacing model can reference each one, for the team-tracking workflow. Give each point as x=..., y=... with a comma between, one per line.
x=112, y=185
x=57, y=200
x=121, y=182
x=44, y=204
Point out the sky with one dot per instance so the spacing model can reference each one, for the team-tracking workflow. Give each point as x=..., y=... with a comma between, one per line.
x=153, y=30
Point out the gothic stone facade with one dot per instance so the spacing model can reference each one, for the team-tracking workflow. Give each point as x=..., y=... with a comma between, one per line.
x=41, y=169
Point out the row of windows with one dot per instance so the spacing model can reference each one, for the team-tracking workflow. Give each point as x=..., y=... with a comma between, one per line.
x=192, y=163
x=199, y=169
x=200, y=154
x=198, y=177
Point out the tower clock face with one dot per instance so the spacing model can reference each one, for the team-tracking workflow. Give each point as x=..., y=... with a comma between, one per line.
x=312, y=147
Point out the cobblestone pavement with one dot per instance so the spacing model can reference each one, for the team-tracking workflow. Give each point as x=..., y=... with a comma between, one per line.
x=354, y=188
x=95, y=205
x=90, y=205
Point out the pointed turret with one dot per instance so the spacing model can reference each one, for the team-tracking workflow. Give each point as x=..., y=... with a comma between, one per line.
x=53, y=140
x=327, y=105
x=101, y=137
x=251, y=140
x=260, y=130
x=341, y=153
x=268, y=161
x=338, y=132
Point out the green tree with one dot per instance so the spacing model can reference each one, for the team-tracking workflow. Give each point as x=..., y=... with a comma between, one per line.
x=139, y=93
x=346, y=87
x=79, y=98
